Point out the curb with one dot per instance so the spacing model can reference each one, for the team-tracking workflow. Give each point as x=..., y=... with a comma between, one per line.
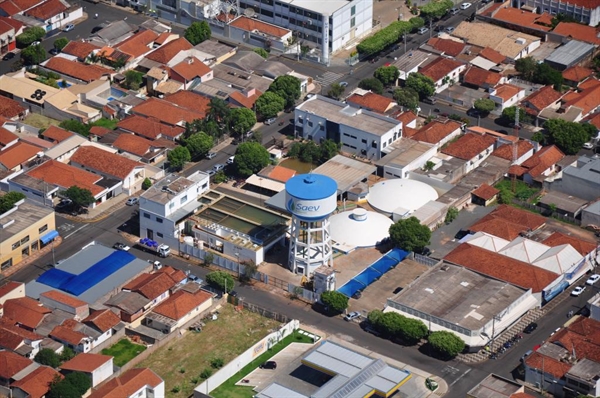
x=40, y=253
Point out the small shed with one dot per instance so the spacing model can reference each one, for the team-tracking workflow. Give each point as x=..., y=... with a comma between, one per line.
x=484, y=195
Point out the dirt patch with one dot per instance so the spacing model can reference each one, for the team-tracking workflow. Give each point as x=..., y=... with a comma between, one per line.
x=39, y=121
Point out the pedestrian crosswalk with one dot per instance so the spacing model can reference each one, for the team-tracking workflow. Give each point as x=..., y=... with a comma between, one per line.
x=327, y=78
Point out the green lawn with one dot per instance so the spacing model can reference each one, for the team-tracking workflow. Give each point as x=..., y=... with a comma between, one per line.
x=123, y=351
x=522, y=190
x=230, y=390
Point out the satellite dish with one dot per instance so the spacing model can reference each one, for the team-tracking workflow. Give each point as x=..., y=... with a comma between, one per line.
x=249, y=12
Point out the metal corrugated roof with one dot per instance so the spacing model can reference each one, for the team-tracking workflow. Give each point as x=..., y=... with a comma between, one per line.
x=277, y=391
x=345, y=171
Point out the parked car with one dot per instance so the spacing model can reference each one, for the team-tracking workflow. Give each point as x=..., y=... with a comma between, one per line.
x=357, y=295
x=344, y=84
x=54, y=51
x=592, y=279
x=210, y=173
x=464, y=6
x=218, y=167
x=121, y=246
x=155, y=264
x=132, y=201
x=530, y=328
x=8, y=56
x=269, y=365
x=423, y=30
x=270, y=121
x=195, y=279
x=449, y=29
x=36, y=43
x=231, y=160
x=528, y=353
x=578, y=290
x=64, y=203
x=210, y=155
x=69, y=28
x=429, y=100
x=425, y=252
x=588, y=145
x=353, y=315
x=454, y=11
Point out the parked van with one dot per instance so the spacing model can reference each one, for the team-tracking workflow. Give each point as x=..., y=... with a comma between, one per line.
x=429, y=100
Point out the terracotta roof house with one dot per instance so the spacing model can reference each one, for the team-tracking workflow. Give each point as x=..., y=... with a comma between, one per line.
x=12, y=7
x=190, y=100
x=8, y=33
x=36, y=384
x=492, y=55
x=55, y=299
x=446, y=46
x=165, y=53
x=99, y=132
x=508, y=222
x=408, y=119
x=76, y=70
x=166, y=112
x=584, y=247
x=102, y=320
x=481, y=78
x=130, y=384
x=178, y=309
x=98, y=367
x=79, y=49
x=472, y=148
x=484, y=195
x=438, y=132
x=143, y=149
x=278, y=173
x=577, y=31
x=131, y=305
x=539, y=100
x=19, y=340
x=521, y=18
x=190, y=72
x=501, y=267
x=576, y=74
x=80, y=336
x=7, y=138
x=25, y=312
x=524, y=151
x=506, y=95
x=368, y=100
x=12, y=364
x=245, y=98
x=541, y=165
x=137, y=45
x=13, y=157
x=56, y=134
x=155, y=287
x=11, y=290
x=11, y=109
x=110, y=165
x=47, y=10
x=443, y=71
x=149, y=128
x=584, y=101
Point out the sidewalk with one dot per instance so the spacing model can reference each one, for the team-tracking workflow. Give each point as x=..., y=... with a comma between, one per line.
x=32, y=258
x=99, y=213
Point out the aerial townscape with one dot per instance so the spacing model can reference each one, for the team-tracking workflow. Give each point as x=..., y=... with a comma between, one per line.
x=299, y=199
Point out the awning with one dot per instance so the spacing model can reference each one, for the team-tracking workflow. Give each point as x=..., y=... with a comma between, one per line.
x=49, y=236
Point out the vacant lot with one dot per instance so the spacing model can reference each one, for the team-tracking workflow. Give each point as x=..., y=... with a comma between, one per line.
x=182, y=360
x=39, y=121
x=123, y=351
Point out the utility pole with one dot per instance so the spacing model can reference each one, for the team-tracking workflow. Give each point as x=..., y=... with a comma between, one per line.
x=405, y=34
x=514, y=149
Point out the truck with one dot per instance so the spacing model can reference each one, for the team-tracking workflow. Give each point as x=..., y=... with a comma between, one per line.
x=152, y=246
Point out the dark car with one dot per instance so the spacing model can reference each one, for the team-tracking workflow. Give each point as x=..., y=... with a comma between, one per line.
x=425, y=252
x=8, y=56
x=530, y=328
x=269, y=365
x=357, y=295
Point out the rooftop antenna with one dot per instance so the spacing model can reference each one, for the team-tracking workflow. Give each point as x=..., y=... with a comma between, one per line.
x=515, y=148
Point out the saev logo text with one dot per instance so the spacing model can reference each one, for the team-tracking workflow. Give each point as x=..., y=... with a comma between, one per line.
x=301, y=207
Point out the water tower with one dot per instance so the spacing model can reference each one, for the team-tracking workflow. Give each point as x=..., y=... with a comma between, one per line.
x=311, y=198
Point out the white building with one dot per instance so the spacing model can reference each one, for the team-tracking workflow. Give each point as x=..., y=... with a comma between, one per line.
x=506, y=95
x=585, y=11
x=405, y=156
x=138, y=383
x=361, y=132
x=165, y=206
x=98, y=367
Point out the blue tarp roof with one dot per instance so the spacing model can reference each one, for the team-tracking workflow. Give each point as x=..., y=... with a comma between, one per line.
x=397, y=254
x=351, y=287
x=55, y=277
x=368, y=276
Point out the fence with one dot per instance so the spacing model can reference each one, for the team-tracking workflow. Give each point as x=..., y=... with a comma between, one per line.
x=221, y=262
x=544, y=211
x=264, y=312
x=233, y=367
x=427, y=261
x=303, y=294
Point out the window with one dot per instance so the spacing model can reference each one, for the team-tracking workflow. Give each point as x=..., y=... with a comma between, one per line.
x=364, y=141
x=7, y=264
x=16, y=244
x=171, y=205
x=353, y=10
x=159, y=220
x=159, y=234
x=183, y=199
x=146, y=215
x=25, y=239
x=43, y=228
x=374, y=144
x=322, y=128
x=310, y=124
x=352, y=22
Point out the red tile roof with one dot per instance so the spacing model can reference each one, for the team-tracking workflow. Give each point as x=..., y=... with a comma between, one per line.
x=251, y=25
x=577, y=73
x=99, y=131
x=580, y=32
x=10, y=8
x=440, y=68
x=16, y=25
x=10, y=108
x=151, y=286
x=481, y=77
x=127, y=384
x=282, y=174
x=177, y=275
x=584, y=247
x=138, y=44
x=190, y=100
x=47, y=10
x=133, y=144
x=12, y=337
x=166, y=52
x=541, y=99
x=406, y=118
x=506, y=151
x=57, y=134
x=492, y=55
x=371, y=101
x=469, y=145
x=247, y=99
x=542, y=160
x=86, y=362
x=435, y=131
x=79, y=49
x=149, y=128
x=77, y=70
x=11, y=364
x=18, y=154
x=587, y=100
x=9, y=286
x=501, y=267
x=160, y=40
x=550, y=365
x=485, y=192
x=37, y=383
x=447, y=46
x=167, y=112
x=181, y=303
x=508, y=222
x=25, y=311
x=507, y=91
x=6, y=137
x=104, y=161
x=191, y=68
x=523, y=18
x=64, y=298
x=102, y=320
x=594, y=119
x=67, y=333
x=65, y=176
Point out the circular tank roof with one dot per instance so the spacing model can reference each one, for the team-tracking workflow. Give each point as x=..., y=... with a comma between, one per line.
x=311, y=186
x=359, y=228
x=400, y=195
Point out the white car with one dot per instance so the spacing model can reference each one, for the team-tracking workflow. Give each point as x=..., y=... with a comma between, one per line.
x=592, y=279
x=270, y=121
x=210, y=155
x=132, y=201
x=69, y=28
x=454, y=11
x=423, y=30
x=35, y=43
x=218, y=167
x=464, y=6
x=578, y=290
x=351, y=316
x=588, y=145
x=231, y=160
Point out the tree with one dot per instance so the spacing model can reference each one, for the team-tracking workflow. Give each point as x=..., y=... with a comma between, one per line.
x=508, y=115
x=241, y=120
x=250, y=269
x=412, y=330
x=146, y=184
x=526, y=67
x=262, y=52
x=374, y=317
x=48, y=357
x=199, y=144
x=568, y=136
x=336, y=91
x=435, y=9
x=545, y=74
x=269, y=105
x=218, y=110
x=446, y=343
x=384, y=38
x=8, y=200
x=81, y=197
x=408, y=234
x=60, y=43
x=288, y=88
x=29, y=35
x=74, y=385
x=221, y=280
x=335, y=301
x=407, y=97
x=80, y=381
x=250, y=158
x=33, y=55
x=484, y=105
x=451, y=215
x=178, y=157
x=371, y=84
x=539, y=137
x=208, y=259
x=133, y=79
x=329, y=148
x=387, y=75
x=197, y=32
x=423, y=85
x=416, y=22
x=67, y=354
x=307, y=152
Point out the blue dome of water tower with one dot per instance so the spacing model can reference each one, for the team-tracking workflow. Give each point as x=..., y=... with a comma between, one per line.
x=311, y=186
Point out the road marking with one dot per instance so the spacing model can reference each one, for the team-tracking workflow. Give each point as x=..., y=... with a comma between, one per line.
x=460, y=377
x=77, y=230
x=328, y=78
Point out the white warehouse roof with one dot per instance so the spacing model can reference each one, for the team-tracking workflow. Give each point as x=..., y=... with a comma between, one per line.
x=390, y=195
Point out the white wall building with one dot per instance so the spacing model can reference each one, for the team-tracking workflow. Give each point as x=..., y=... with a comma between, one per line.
x=581, y=10
x=361, y=132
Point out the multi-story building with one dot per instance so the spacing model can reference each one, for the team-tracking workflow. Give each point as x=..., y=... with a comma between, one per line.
x=581, y=10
